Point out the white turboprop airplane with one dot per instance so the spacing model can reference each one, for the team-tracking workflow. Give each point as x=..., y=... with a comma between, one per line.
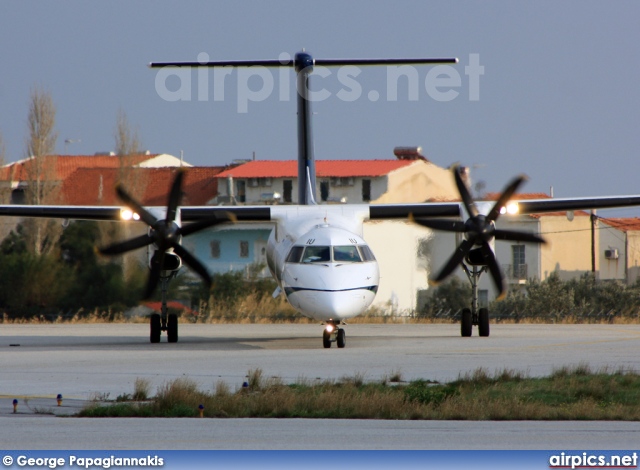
x=317, y=253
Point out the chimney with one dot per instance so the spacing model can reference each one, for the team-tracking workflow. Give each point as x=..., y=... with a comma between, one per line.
x=409, y=153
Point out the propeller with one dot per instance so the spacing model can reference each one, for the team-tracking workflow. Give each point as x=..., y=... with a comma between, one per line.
x=479, y=230
x=166, y=234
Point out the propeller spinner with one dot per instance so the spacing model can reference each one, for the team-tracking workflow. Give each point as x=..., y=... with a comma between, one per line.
x=479, y=230
x=166, y=234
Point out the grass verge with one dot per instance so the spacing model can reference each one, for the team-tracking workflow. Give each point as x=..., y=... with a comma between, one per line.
x=567, y=394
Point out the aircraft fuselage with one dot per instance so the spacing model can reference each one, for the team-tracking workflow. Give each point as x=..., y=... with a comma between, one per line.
x=321, y=262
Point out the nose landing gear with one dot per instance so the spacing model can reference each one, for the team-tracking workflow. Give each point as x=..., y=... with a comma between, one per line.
x=333, y=333
x=474, y=316
x=164, y=321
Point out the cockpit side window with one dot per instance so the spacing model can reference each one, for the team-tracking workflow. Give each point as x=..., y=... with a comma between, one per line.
x=348, y=253
x=367, y=254
x=317, y=254
x=295, y=254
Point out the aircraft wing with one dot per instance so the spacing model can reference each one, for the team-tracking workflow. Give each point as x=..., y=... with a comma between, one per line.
x=376, y=211
x=189, y=213
x=403, y=211
x=535, y=206
x=62, y=212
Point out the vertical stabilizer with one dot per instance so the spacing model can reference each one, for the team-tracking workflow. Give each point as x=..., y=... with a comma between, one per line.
x=306, y=160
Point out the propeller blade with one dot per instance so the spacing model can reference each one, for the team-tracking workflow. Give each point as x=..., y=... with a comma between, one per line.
x=145, y=215
x=505, y=196
x=442, y=224
x=518, y=236
x=206, y=223
x=128, y=245
x=193, y=263
x=496, y=272
x=464, y=193
x=157, y=261
x=175, y=196
x=454, y=261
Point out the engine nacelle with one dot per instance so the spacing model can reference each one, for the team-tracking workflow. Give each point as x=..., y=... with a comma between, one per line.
x=172, y=262
x=477, y=258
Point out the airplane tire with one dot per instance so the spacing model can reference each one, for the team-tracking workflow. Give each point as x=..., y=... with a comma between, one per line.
x=483, y=322
x=326, y=339
x=172, y=328
x=155, y=328
x=342, y=339
x=466, y=323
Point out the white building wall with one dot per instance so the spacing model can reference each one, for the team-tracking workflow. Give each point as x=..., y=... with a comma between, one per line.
x=163, y=160
x=352, y=192
x=633, y=256
x=403, y=270
x=611, y=239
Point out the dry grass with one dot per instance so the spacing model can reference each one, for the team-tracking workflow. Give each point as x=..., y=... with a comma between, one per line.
x=567, y=394
x=255, y=309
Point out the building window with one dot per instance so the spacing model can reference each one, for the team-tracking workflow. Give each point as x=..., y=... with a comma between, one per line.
x=241, y=191
x=366, y=190
x=17, y=196
x=519, y=262
x=244, y=249
x=215, y=248
x=287, y=190
x=324, y=190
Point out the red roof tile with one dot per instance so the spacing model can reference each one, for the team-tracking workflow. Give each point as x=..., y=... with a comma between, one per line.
x=520, y=196
x=626, y=224
x=63, y=165
x=96, y=186
x=324, y=168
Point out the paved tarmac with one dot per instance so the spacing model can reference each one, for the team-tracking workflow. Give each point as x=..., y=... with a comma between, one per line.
x=98, y=361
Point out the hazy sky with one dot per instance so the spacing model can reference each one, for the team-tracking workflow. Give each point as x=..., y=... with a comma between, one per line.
x=558, y=100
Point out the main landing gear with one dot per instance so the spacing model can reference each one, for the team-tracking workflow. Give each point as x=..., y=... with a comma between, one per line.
x=474, y=316
x=333, y=333
x=164, y=322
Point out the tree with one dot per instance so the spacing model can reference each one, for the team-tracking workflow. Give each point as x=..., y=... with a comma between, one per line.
x=448, y=299
x=127, y=146
x=3, y=150
x=41, y=171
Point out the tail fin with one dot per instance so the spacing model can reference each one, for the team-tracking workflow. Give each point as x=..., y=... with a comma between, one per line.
x=306, y=159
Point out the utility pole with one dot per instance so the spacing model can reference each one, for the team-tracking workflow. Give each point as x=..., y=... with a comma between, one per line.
x=594, y=219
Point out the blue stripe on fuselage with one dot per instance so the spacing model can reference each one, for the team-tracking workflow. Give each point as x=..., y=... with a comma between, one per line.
x=291, y=290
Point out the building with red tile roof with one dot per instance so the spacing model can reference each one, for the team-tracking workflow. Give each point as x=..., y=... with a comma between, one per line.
x=354, y=181
x=16, y=177
x=58, y=167
x=324, y=168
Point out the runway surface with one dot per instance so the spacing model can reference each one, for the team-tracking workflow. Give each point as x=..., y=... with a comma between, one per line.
x=83, y=362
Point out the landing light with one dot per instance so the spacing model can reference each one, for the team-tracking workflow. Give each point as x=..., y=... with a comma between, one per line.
x=127, y=214
x=511, y=209
x=330, y=328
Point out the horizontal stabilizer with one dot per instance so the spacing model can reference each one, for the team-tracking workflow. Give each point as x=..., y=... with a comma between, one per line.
x=320, y=62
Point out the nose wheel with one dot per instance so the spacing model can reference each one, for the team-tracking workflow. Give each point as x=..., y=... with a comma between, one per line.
x=333, y=334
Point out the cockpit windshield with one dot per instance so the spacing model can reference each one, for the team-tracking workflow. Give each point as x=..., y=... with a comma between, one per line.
x=348, y=253
x=328, y=254
x=317, y=254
